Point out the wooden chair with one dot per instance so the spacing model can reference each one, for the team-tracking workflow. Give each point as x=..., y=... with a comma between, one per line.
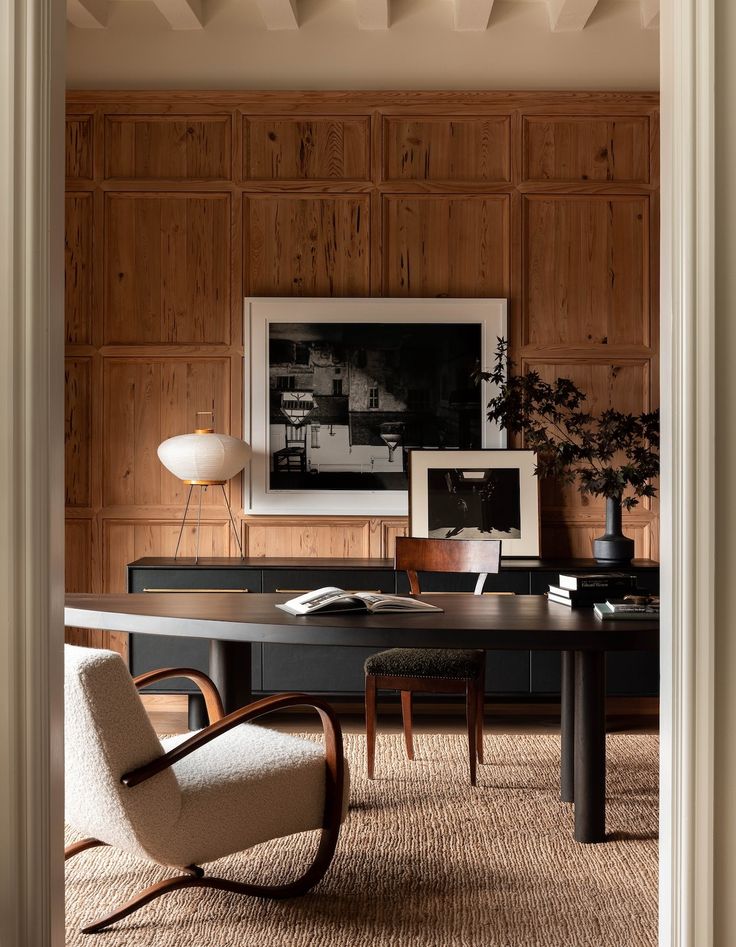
x=195, y=798
x=433, y=670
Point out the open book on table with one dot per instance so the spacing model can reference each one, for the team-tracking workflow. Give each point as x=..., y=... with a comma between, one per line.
x=332, y=599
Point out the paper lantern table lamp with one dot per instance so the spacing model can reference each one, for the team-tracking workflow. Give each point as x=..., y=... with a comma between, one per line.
x=204, y=459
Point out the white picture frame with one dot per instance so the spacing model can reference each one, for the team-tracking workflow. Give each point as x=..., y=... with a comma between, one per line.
x=479, y=494
x=263, y=316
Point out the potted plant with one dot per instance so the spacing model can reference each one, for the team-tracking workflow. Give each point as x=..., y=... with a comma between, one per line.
x=611, y=454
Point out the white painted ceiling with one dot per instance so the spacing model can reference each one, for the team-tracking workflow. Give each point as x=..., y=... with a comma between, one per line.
x=467, y=15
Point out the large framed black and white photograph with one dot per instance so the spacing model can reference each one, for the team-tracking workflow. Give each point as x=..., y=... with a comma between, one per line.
x=484, y=494
x=339, y=391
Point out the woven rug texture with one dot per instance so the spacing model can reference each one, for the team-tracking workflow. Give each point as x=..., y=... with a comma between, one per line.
x=424, y=860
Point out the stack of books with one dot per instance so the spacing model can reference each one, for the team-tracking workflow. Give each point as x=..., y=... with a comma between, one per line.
x=591, y=588
x=636, y=606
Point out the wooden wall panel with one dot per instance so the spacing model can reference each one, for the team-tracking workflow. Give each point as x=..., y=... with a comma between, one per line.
x=167, y=268
x=307, y=246
x=449, y=149
x=78, y=432
x=309, y=149
x=447, y=246
x=347, y=538
x=178, y=206
x=146, y=401
x=586, y=148
x=570, y=540
x=168, y=147
x=79, y=262
x=586, y=270
x=79, y=154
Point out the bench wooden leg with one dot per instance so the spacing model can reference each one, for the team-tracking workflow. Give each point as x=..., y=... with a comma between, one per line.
x=406, y=720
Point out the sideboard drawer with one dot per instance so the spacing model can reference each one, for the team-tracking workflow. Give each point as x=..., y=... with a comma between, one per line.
x=297, y=581
x=194, y=580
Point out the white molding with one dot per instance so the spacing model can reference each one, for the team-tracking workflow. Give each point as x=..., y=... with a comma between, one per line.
x=649, y=11
x=279, y=14
x=31, y=471
x=688, y=523
x=88, y=14
x=373, y=14
x=568, y=16
x=472, y=14
x=182, y=14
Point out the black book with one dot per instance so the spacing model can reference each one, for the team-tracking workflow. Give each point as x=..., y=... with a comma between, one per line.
x=584, y=596
x=601, y=580
x=571, y=602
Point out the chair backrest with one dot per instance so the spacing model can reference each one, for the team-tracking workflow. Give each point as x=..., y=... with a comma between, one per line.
x=447, y=555
x=108, y=733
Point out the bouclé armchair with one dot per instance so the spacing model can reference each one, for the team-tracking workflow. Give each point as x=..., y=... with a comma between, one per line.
x=196, y=798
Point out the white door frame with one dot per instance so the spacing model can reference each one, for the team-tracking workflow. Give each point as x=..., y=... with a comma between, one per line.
x=688, y=431
x=31, y=472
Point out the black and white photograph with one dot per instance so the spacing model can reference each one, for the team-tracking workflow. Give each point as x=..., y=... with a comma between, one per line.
x=476, y=495
x=342, y=390
x=473, y=503
x=348, y=401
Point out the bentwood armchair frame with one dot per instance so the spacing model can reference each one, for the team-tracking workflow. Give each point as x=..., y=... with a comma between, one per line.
x=220, y=723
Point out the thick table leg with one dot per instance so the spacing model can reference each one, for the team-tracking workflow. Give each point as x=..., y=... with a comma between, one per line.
x=567, y=727
x=590, y=747
x=196, y=712
x=230, y=669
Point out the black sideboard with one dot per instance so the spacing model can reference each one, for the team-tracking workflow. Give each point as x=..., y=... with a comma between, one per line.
x=338, y=672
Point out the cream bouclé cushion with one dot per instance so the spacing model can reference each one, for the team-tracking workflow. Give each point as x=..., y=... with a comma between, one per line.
x=244, y=787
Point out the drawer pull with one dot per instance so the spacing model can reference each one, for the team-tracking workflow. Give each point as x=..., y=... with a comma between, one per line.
x=196, y=590
x=465, y=593
x=346, y=591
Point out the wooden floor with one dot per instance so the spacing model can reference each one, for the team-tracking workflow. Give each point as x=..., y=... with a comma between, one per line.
x=624, y=715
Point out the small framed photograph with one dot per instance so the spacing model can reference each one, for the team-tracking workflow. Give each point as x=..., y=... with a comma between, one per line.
x=476, y=494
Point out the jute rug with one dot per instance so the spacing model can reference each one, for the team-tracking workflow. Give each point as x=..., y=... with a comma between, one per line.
x=424, y=861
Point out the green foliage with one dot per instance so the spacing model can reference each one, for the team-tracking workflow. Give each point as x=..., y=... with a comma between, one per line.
x=610, y=454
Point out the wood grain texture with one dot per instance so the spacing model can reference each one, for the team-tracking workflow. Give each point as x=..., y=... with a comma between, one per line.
x=181, y=203
x=146, y=401
x=168, y=147
x=78, y=152
x=310, y=149
x=167, y=268
x=586, y=148
x=307, y=246
x=586, y=270
x=78, y=432
x=78, y=266
x=446, y=246
x=475, y=149
x=304, y=537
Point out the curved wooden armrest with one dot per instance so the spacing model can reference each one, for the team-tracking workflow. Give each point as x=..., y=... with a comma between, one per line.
x=212, y=699
x=330, y=725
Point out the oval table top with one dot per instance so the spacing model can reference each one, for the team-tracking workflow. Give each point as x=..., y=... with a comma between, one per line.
x=490, y=622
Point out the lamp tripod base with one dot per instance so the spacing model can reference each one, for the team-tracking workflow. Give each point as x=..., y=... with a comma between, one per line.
x=202, y=487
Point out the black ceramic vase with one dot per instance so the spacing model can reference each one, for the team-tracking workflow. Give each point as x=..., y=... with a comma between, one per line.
x=613, y=548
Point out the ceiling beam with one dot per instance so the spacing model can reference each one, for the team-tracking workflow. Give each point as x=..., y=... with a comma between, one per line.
x=182, y=14
x=279, y=14
x=649, y=14
x=87, y=14
x=373, y=14
x=472, y=14
x=566, y=16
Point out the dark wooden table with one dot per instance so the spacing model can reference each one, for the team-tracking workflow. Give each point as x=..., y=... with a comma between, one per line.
x=232, y=621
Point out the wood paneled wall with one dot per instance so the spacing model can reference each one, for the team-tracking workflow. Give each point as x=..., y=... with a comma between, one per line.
x=179, y=204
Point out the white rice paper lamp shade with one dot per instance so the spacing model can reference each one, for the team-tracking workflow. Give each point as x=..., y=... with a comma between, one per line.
x=204, y=458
